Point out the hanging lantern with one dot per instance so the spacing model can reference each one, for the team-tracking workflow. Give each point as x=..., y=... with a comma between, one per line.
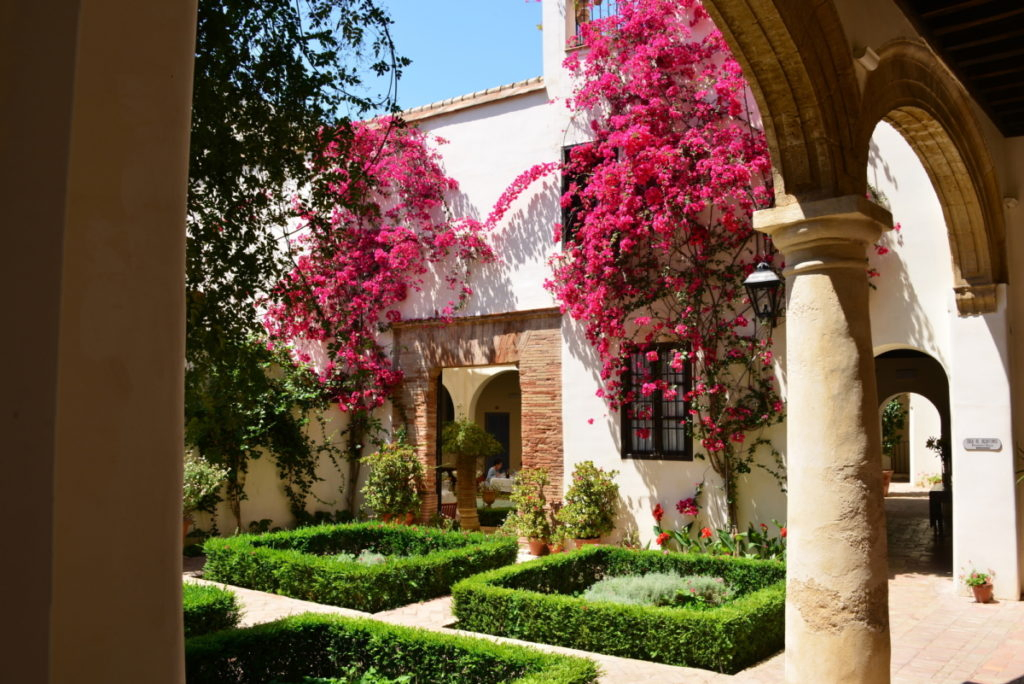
x=764, y=287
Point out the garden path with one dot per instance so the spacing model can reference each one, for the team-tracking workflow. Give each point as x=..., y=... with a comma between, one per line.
x=938, y=637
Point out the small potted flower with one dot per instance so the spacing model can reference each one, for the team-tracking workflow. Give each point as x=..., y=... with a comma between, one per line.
x=590, y=504
x=980, y=583
x=531, y=517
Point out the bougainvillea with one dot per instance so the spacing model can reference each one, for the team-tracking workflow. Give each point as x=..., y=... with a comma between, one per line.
x=371, y=227
x=661, y=239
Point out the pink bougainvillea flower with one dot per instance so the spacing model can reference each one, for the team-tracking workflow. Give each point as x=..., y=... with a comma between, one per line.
x=687, y=506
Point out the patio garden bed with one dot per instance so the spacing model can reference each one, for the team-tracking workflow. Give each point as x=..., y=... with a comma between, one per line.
x=309, y=645
x=421, y=563
x=538, y=602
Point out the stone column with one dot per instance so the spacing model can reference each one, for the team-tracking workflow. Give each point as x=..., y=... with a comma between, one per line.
x=837, y=619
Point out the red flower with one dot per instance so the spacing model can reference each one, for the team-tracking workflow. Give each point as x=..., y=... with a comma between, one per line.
x=663, y=538
x=705, y=532
x=782, y=532
x=658, y=513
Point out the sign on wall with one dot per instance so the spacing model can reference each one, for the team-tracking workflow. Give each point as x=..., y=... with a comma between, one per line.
x=983, y=444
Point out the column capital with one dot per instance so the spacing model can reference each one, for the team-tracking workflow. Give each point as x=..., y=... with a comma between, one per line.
x=824, y=234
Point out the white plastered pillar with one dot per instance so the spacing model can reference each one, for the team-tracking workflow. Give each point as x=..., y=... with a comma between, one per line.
x=837, y=620
x=984, y=482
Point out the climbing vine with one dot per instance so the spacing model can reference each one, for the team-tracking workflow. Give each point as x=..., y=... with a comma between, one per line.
x=661, y=239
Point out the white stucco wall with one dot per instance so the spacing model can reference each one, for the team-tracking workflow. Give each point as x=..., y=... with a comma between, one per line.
x=923, y=422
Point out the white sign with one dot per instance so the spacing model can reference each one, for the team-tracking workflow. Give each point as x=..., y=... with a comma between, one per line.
x=983, y=444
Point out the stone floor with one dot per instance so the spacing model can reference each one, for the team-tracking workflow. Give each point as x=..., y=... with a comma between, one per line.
x=938, y=636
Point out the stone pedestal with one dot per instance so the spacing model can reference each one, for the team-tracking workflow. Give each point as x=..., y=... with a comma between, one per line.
x=837, y=622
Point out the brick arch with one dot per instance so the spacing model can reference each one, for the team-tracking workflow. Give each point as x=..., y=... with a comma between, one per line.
x=914, y=92
x=798, y=62
x=530, y=339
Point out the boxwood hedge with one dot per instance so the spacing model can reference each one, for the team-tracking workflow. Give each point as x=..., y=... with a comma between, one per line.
x=423, y=563
x=326, y=645
x=208, y=608
x=537, y=601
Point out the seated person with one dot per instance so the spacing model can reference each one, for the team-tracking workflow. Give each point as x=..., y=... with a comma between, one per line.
x=496, y=470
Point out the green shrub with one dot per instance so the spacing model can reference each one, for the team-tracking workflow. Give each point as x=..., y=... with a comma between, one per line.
x=661, y=589
x=493, y=517
x=539, y=602
x=208, y=609
x=422, y=563
x=327, y=646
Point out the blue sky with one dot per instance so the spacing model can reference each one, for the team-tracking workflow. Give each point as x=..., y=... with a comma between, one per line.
x=461, y=46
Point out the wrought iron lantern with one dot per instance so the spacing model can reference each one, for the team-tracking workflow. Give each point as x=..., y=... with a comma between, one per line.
x=764, y=287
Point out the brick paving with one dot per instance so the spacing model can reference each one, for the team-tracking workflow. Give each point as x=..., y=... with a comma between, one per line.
x=938, y=636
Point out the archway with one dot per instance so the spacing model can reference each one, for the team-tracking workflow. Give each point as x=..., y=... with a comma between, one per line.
x=918, y=512
x=497, y=407
x=911, y=90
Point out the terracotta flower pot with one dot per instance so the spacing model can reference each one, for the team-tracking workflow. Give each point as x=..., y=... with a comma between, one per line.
x=538, y=547
x=386, y=517
x=886, y=481
x=489, y=496
x=185, y=524
x=982, y=593
x=580, y=543
x=410, y=518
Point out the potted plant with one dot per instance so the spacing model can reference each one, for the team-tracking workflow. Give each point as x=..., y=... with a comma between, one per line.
x=980, y=583
x=467, y=442
x=488, y=493
x=202, y=479
x=531, y=517
x=392, y=488
x=590, y=504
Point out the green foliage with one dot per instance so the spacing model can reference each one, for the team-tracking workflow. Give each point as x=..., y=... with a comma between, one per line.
x=247, y=400
x=201, y=480
x=208, y=609
x=494, y=517
x=661, y=589
x=466, y=438
x=756, y=542
x=591, y=502
x=894, y=418
x=539, y=602
x=268, y=74
x=531, y=517
x=396, y=474
x=327, y=645
x=422, y=563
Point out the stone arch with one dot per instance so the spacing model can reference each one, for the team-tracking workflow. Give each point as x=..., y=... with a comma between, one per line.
x=798, y=62
x=915, y=93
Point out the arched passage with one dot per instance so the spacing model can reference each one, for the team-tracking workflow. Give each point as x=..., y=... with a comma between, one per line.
x=797, y=61
x=497, y=407
x=913, y=92
x=918, y=520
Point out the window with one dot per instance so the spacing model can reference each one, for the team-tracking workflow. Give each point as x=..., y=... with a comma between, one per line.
x=655, y=426
x=573, y=180
x=585, y=11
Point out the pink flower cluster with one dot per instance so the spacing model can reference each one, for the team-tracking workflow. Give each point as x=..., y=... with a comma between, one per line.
x=371, y=227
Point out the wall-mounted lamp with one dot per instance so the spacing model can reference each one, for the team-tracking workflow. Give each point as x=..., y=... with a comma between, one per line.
x=764, y=287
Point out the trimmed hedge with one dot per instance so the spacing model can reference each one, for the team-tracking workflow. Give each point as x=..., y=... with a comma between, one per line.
x=536, y=602
x=493, y=517
x=312, y=645
x=423, y=563
x=208, y=609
